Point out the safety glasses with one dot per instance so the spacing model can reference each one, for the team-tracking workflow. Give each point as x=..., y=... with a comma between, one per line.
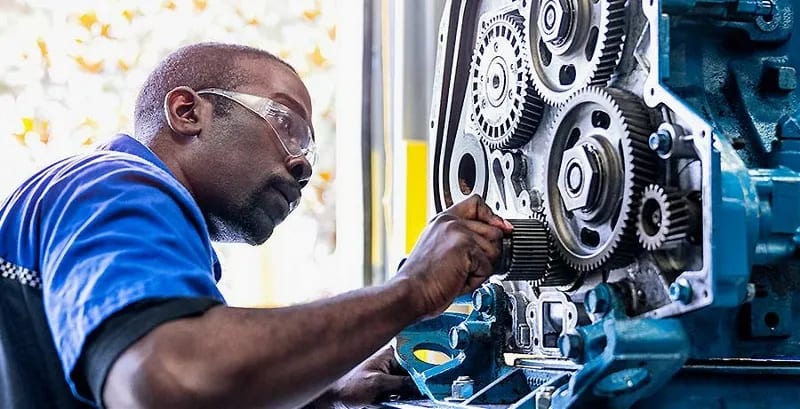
x=292, y=130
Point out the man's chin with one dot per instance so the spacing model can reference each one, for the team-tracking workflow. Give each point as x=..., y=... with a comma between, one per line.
x=253, y=233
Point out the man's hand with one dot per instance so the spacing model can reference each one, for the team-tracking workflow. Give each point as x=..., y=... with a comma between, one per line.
x=454, y=255
x=376, y=379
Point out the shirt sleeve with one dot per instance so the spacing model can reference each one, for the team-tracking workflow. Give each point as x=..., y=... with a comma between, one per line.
x=106, y=343
x=116, y=232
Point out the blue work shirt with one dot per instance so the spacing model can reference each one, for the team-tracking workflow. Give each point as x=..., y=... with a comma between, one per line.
x=81, y=240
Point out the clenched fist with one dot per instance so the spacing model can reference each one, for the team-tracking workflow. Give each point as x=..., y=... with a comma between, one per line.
x=454, y=254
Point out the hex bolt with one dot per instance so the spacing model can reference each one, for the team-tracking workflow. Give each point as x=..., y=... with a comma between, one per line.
x=544, y=397
x=483, y=300
x=660, y=142
x=571, y=345
x=598, y=300
x=462, y=388
x=459, y=337
x=680, y=291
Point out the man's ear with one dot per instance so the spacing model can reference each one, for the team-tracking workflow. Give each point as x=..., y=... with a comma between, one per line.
x=183, y=109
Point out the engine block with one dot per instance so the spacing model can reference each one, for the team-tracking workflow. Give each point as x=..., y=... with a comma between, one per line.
x=648, y=154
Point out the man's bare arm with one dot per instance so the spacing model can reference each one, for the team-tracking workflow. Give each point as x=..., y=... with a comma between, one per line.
x=284, y=357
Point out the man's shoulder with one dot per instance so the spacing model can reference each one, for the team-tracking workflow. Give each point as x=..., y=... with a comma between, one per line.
x=104, y=169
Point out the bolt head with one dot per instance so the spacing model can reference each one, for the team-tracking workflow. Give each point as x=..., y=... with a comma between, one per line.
x=571, y=345
x=598, y=300
x=660, y=142
x=483, y=300
x=554, y=21
x=680, y=291
x=462, y=388
x=459, y=337
x=578, y=177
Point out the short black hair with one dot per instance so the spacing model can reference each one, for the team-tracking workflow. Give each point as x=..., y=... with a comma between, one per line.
x=197, y=66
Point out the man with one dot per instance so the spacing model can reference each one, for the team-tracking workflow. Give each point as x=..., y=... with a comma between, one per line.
x=108, y=275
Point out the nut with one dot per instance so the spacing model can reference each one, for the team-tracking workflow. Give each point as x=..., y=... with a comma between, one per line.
x=578, y=177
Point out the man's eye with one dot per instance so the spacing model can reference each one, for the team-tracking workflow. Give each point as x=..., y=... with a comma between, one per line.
x=283, y=122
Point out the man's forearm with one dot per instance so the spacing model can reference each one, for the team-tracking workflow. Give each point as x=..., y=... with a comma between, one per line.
x=277, y=358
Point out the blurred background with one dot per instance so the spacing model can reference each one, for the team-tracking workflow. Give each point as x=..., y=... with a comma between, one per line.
x=72, y=70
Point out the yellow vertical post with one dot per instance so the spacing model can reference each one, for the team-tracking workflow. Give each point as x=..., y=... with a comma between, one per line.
x=416, y=190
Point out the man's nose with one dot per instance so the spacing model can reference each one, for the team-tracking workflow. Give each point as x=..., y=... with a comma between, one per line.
x=300, y=169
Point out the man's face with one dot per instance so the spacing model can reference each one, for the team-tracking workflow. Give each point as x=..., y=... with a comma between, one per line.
x=244, y=180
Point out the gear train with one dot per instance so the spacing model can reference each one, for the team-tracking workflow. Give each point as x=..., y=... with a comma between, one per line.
x=647, y=152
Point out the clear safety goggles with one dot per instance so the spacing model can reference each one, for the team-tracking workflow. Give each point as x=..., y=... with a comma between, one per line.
x=292, y=130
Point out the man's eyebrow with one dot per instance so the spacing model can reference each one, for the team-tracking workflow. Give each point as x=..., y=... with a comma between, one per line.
x=292, y=104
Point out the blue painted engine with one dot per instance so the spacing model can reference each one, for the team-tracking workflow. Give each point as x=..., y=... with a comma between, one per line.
x=648, y=153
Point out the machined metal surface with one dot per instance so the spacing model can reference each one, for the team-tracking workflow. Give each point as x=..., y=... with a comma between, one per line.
x=574, y=44
x=648, y=143
x=598, y=165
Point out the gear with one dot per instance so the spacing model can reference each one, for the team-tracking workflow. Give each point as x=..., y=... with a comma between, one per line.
x=506, y=109
x=525, y=255
x=598, y=165
x=664, y=218
x=574, y=43
x=557, y=274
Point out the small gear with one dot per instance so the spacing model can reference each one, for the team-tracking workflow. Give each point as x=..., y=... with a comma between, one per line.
x=506, y=108
x=598, y=165
x=574, y=44
x=664, y=218
x=558, y=274
x=525, y=251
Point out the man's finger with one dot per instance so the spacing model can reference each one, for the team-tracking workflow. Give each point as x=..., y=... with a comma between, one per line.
x=475, y=208
x=486, y=231
x=481, y=266
x=395, y=385
x=491, y=249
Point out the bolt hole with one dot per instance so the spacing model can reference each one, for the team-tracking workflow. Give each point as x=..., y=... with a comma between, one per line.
x=652, y=91
x=705, y=293
x=569, y=316
x=703, y=134
x=544, y=54
x=601, y=120
x=590, y=237
x=772, y=320
x=497, y=206
x=566, y=75
x=768, y=18
x=574, y=135
x=466, y=174
x=536, y=342
x=591, y=43
x=432, y=124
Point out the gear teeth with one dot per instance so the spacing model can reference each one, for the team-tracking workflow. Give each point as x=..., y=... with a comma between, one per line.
x=639, y=171
x=526, y=251
x=674, y=220
x=526, y=110
x=558, y=273
x=603, y=63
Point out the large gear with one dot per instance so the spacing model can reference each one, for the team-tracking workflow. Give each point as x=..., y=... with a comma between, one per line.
x=506, y=108
x=598, y=165
x=574, y=43
x=664, y=218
